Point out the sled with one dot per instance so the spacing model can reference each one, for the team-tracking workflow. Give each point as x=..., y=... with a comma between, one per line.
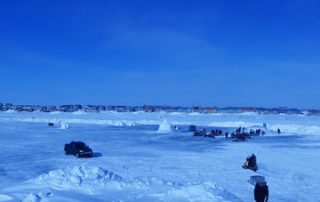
x=256, y=179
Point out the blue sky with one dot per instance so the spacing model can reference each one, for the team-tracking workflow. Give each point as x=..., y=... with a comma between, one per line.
x=208, y=53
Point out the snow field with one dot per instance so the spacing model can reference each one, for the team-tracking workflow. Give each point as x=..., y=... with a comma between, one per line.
x=152, y=162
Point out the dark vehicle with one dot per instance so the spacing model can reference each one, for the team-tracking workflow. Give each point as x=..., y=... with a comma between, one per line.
x=79, y=149
x=50, y=124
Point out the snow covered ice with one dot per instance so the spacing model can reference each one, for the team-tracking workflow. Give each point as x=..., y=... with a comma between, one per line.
x=138, y=157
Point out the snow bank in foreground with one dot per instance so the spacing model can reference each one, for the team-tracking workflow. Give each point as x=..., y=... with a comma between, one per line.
x=93, y=179
x=4, y=197
x=165, y=127
x=79, y=176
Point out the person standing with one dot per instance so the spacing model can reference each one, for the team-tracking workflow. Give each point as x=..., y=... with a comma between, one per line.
x=279, y=131
x=261, y=192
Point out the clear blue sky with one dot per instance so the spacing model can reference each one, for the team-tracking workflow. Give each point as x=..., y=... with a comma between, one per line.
x=215, y=53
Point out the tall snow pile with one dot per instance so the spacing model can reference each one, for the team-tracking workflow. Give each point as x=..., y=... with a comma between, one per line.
x=165, y=127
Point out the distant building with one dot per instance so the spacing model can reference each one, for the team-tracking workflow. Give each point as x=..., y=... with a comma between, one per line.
x=48, y=109
x=210, y=110
x=94, y=108
x=148, y=108
x=70, y=108
x=313, y=112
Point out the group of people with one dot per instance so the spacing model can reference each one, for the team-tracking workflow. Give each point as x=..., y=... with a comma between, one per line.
x=239, y=134
x=204, y=133
x=261, y=189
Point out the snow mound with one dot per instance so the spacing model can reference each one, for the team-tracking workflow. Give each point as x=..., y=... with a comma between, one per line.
x=164, y=127
x=84, y=177
x=40, y=196
x=206, y=191
x=10, y=111
x=54, y=112
x=93, y=179
x=32, y=197
x=79, y=112
x=195, y=193
x=4, y=197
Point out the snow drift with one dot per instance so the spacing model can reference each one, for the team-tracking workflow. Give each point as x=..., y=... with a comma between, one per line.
x=94, y=179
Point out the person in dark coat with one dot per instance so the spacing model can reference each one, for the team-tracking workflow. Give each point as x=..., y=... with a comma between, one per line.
x=261, y=192
x=279, y=131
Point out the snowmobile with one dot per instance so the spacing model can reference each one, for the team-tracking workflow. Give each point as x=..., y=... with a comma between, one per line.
x=254, y=168
x=250, y=163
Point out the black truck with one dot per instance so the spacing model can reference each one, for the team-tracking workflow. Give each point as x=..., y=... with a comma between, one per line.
x=78, y=149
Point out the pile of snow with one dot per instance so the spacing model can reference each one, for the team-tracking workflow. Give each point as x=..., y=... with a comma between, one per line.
x=200, y=192
x=10, y=111
x=93, y=179
x=79, y=112
x=164, y=127
x=4, y=197
x=37, y=197
x=86, y=178
x=55, y=112
x=32, y=197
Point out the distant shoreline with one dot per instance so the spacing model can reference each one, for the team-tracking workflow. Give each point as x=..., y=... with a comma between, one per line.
x=152, y=108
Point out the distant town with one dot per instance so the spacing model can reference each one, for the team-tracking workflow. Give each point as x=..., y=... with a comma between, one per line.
x=151, y=108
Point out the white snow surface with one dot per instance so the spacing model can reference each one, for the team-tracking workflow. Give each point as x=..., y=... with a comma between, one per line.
x=133, y=162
